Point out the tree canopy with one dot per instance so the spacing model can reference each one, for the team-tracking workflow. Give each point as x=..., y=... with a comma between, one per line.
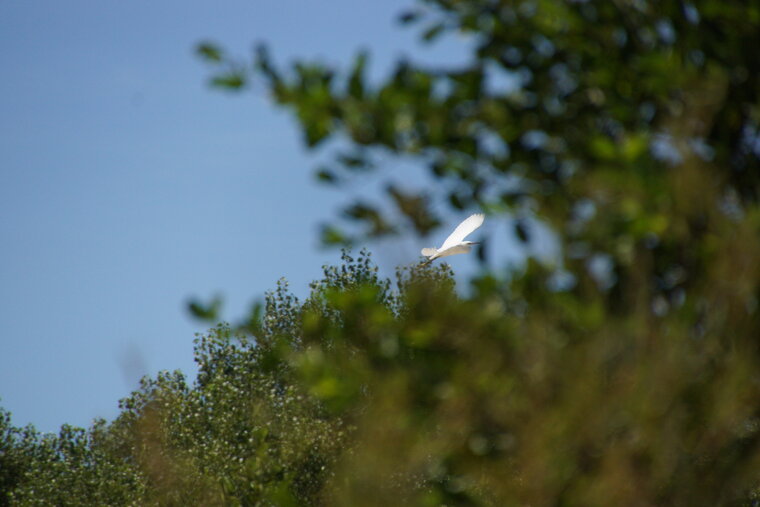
x=629, y=374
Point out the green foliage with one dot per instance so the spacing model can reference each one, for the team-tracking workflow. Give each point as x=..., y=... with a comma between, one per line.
x=208, y=312
x=243, y=434
x=365, y=394
x=75, y=467
x=628, y=377
x=561, y=103
x=631, y=129
x=264, y=422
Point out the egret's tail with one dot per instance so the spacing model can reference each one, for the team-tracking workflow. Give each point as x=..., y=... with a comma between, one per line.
x=429, y=252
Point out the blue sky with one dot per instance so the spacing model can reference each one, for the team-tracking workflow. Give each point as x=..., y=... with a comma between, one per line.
x=128, y=186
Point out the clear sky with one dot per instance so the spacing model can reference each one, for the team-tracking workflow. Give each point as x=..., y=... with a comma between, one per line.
x=128, y=186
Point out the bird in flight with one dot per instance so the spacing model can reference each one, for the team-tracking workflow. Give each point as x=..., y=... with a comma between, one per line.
x=455, y=243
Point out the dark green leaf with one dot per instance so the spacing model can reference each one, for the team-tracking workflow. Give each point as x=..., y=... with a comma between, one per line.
x=209, y=52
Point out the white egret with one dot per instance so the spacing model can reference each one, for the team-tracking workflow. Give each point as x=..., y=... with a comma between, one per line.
x=455, y=243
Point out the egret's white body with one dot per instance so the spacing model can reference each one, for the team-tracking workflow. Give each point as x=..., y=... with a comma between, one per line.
x=455, y=243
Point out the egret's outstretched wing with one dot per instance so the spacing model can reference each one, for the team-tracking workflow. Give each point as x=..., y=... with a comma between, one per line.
x=463, y=230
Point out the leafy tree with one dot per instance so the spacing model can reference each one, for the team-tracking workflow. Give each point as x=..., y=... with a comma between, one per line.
x=263, y=424
x=632, y=130
x=627, y=375
x=365, y=395
x=563, y=103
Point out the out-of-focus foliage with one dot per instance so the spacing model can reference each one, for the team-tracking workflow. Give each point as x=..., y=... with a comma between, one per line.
x=598, y=116
x=629, y=377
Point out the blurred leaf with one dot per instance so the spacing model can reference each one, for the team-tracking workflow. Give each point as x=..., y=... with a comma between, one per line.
x=522, y=230
x=209, y=52
x=409, y=16
x=356, y=161
x=433, y=32
x=326, y=176
x=356, y=79
x=208, y=312
x=232, y=80
x=332, y=236
x=481, y=251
